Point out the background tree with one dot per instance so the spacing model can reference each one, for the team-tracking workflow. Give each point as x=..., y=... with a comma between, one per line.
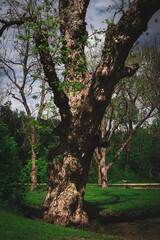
x=83, y=97
x=135, y=100
x=21, y=74
x=20, y=89
x=15, y=122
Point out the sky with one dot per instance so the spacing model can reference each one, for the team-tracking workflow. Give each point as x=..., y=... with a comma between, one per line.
x=96, y=13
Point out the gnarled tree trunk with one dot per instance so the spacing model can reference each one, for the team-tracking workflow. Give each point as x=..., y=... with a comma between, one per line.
x=68, y=173
x=82, y=104
x=82, y=110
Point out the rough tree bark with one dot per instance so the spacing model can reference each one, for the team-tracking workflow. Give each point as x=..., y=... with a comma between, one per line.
x=81, y=113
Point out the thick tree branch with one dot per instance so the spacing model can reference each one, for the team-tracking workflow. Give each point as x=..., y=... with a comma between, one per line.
x=61, y=99
x=129, y=28
x=118, y=42
x=129, y=71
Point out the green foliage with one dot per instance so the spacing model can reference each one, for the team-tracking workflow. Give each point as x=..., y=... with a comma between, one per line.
x=57, y=158
x=41, y=173
x=145, y=153
x=11, y=192
x=115, y=174
x=93, y=177
x=26, y=172
x=144, y=159
x=128, y=175
x=14, y=122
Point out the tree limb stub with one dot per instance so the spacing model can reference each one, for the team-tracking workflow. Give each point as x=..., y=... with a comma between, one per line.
x=129, y=71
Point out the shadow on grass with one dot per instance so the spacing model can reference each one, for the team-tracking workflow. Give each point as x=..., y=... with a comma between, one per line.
x=99, y=212
x=33, y=212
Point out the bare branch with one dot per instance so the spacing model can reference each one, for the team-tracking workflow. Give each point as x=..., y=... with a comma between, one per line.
x=17, y=22
x=15, y=97
x=42, y=99
x=124, y=144
x=14, y=79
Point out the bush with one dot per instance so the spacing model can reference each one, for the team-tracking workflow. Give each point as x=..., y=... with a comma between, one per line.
x=114, y=174
x=41, y=172
x=93, y=177
x=11, y=192
x=128, y=175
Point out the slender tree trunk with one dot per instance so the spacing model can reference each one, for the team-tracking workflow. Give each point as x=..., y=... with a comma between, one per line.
x=103, y=169
x=34, y=159
x=105, y=178
x=128, y=150
x=99, y=175
x=128, y=153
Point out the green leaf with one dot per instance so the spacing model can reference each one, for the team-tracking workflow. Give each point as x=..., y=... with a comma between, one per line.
x=34, y=96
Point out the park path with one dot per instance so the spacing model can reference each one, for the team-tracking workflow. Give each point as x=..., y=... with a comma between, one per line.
x=135, y=184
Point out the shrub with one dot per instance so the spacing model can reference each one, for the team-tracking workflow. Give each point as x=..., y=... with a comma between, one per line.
x=93, y=177
x=11, y=192
x=129, y=175
x=41, y=172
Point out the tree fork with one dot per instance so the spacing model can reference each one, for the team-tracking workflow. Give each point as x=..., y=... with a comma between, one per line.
x=67, y=178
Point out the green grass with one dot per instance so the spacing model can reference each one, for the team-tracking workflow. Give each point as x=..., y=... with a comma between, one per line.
x=98, y=202
x=36, y=198
x=13, y=227
x=125, y=201
x=112, y=200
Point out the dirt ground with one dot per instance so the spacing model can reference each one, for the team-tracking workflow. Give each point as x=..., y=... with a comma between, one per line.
x=133, y=229
x=144, y=229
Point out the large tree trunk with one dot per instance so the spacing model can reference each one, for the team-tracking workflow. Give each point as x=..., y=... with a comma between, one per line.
x=82, y=113
x=67, y=182
x=82, y=104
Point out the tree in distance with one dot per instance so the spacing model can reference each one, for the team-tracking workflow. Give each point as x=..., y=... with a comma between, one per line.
x=135, y=100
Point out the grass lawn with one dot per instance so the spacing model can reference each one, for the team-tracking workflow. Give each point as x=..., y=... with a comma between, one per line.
x=108, y=209
x=13, y=227
x=123, y=201
x=111, y=201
